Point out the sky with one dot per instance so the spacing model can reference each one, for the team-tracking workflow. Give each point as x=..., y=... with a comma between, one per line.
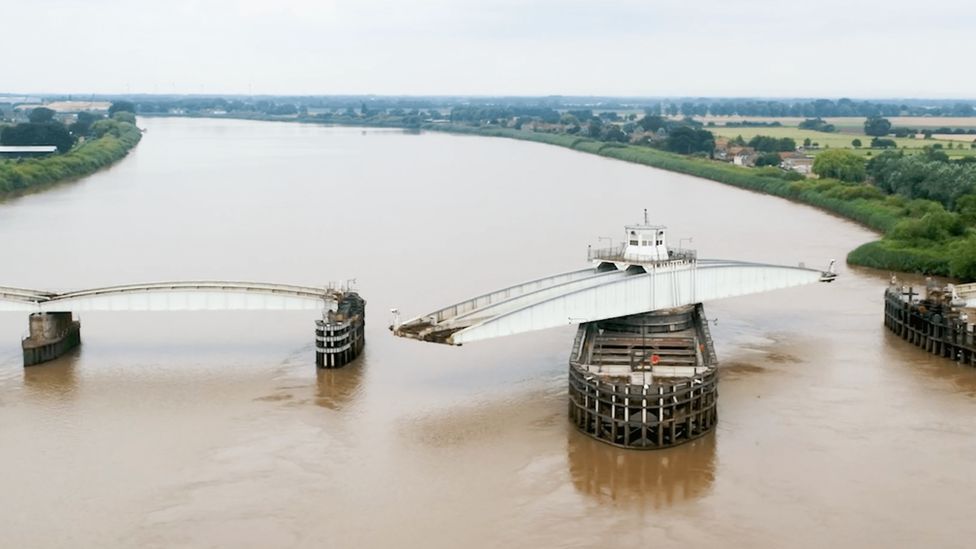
x=651, y=48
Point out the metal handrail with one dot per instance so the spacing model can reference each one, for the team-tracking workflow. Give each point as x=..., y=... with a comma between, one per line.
x=616, y=253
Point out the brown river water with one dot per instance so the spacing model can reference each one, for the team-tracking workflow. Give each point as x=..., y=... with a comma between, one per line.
x=216, y=430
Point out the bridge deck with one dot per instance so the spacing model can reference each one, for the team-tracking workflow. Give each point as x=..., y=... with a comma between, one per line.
x=172, y=296
x=595, y=294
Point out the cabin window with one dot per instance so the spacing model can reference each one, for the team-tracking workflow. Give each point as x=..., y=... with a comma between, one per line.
x=659, y=242
x=634, y=243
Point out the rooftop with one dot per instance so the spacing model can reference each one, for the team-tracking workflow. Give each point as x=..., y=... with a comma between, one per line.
x=78, y=106
x=645, y=226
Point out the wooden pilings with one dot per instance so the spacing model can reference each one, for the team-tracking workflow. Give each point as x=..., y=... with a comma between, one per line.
x=646, y=381
x=650, y=416
x=929, y=325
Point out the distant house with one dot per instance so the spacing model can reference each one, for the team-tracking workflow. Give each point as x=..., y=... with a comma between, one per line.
x=742, y=156
x=721, y=149
x=24, y=151
x=799, y=163
x=744, y=159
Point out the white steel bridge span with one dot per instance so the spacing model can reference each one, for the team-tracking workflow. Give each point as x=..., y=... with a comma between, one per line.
x=606, y=290
x=172, y=296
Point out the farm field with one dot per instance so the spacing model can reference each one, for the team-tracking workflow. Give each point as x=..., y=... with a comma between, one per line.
x=963, y=138
x=837, y=140
x=919, y=122
x=850, y=123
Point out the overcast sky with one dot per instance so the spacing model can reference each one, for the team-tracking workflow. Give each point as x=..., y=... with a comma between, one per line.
x=824, y=48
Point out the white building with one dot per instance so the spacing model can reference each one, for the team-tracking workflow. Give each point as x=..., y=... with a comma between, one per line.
x=646, y=243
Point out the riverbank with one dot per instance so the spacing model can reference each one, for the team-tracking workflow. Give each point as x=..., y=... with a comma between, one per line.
x=27, y=175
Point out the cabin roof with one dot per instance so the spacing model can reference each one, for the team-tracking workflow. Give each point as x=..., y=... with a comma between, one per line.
x=644, y=227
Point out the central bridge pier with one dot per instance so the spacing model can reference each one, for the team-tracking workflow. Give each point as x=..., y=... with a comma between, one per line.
x=644, y=381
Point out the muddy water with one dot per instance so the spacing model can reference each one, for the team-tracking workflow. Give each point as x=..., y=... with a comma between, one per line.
x=215, y=429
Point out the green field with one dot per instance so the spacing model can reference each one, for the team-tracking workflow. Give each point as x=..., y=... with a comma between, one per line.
x=838, y=140
x=918, y=122
x=852, y=123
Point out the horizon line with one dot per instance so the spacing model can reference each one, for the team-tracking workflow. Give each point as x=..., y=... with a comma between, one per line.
x=493, y=96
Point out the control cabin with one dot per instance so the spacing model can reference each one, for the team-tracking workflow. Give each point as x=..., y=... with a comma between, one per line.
x=646, y=243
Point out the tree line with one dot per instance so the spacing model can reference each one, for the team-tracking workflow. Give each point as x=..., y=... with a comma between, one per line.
x=805, y=108
x=819, y=108
x=42, y=128
x=107, y=140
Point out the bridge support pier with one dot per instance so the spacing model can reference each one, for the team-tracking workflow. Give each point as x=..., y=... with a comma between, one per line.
x=341, y=335
x=51, y=336
x=645, y=381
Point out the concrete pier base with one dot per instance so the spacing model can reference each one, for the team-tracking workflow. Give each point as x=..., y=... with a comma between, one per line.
x=51, y=336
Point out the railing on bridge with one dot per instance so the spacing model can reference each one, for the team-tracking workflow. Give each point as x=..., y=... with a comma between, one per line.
x=53, y=330
x=616, y=254
x=184, y=295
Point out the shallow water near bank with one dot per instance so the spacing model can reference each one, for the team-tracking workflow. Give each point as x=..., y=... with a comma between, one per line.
x=215, y=429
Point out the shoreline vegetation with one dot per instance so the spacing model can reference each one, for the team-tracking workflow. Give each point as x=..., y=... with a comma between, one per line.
x=106, y=142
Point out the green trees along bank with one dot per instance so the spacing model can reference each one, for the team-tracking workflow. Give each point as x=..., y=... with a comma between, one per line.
x=937, y=233
x=840, y=164
x=105, y=142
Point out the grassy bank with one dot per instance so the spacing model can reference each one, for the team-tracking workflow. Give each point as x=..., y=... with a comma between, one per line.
x=893, y=256
x=861, y=203
x=116, y=139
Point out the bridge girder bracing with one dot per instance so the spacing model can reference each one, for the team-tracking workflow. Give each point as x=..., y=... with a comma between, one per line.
x=592, y=294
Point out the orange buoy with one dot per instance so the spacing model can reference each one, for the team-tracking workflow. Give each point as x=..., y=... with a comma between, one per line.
x=655, y=359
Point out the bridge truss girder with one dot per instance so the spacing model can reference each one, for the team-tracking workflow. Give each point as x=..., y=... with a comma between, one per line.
x=596, y=294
